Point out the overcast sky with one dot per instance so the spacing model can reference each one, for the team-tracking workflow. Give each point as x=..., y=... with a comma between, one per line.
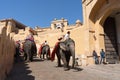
x=41, y=12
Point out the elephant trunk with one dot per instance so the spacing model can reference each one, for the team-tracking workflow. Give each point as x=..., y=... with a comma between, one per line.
x=72, y=50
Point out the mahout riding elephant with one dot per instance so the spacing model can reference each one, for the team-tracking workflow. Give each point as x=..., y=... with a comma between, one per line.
x=45, y=51
x=30, y=50
x=65, y=50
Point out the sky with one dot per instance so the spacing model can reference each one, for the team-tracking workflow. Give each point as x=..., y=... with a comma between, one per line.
x=41, y=12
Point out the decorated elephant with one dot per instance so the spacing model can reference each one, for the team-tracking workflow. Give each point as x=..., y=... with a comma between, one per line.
x=30, y=50
x=45, y=51
x=65, y=50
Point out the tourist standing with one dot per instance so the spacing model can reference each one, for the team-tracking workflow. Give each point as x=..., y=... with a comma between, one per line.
x=95, y=56
x=102, y=55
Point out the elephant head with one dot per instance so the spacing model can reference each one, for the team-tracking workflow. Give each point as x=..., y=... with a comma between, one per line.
x=67, y=49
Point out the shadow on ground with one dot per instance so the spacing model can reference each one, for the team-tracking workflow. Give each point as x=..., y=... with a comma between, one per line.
x=20, y=71
x=77, y=69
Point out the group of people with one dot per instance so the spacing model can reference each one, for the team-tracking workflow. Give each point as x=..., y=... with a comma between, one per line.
x=96, y=57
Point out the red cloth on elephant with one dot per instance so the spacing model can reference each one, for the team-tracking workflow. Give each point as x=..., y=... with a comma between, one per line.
x=54, y=51
x=40, y=49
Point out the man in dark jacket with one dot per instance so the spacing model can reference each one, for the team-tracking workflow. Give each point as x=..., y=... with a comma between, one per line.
x=102, y=55
x=95, y=56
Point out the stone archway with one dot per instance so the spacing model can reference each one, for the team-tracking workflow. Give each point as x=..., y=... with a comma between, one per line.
x=105, y=19
x=111, y=29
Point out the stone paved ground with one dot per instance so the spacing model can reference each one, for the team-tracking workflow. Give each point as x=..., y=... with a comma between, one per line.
x=47, y=70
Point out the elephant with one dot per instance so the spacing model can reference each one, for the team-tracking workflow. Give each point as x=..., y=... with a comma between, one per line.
x=30, y=50
x=65, y=50
x=45, y=51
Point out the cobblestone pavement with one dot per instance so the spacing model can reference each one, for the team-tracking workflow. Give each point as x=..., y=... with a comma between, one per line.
x=47, y=70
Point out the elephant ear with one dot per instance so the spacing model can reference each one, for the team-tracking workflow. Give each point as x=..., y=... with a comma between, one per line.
x=63, y=46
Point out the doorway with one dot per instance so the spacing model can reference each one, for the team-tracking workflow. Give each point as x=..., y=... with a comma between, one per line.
x=110, y=39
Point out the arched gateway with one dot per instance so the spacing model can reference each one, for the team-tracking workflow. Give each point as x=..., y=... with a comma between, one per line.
x=103, y=21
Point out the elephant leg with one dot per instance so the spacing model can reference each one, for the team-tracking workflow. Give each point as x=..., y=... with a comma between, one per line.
x=31, y=57
x=73, y=60
x=65, y=62
x=68, y=60
x=43, y=56
x=48, y=53
x=63, y=57
x=28, y=57
x=65, y=65
x=25, y=56
x=47, y=56
x=58, y=60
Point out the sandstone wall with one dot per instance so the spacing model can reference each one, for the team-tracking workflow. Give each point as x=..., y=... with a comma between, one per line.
x=7, y=50
x=77, y=34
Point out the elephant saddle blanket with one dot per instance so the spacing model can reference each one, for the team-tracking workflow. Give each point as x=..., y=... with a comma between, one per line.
x=54, y=51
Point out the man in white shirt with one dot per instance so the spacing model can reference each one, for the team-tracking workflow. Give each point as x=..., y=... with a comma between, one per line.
x=67, y=36
x=45, y=42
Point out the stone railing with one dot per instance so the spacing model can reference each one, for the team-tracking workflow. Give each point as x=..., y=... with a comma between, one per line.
x=7, y=50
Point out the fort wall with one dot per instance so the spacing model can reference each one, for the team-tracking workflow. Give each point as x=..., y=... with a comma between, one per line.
x=7, y=50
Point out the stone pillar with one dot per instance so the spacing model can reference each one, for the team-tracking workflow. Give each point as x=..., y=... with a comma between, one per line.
x=7, y=51
x=52, y=26
x=9, y=27
x=65, y=23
